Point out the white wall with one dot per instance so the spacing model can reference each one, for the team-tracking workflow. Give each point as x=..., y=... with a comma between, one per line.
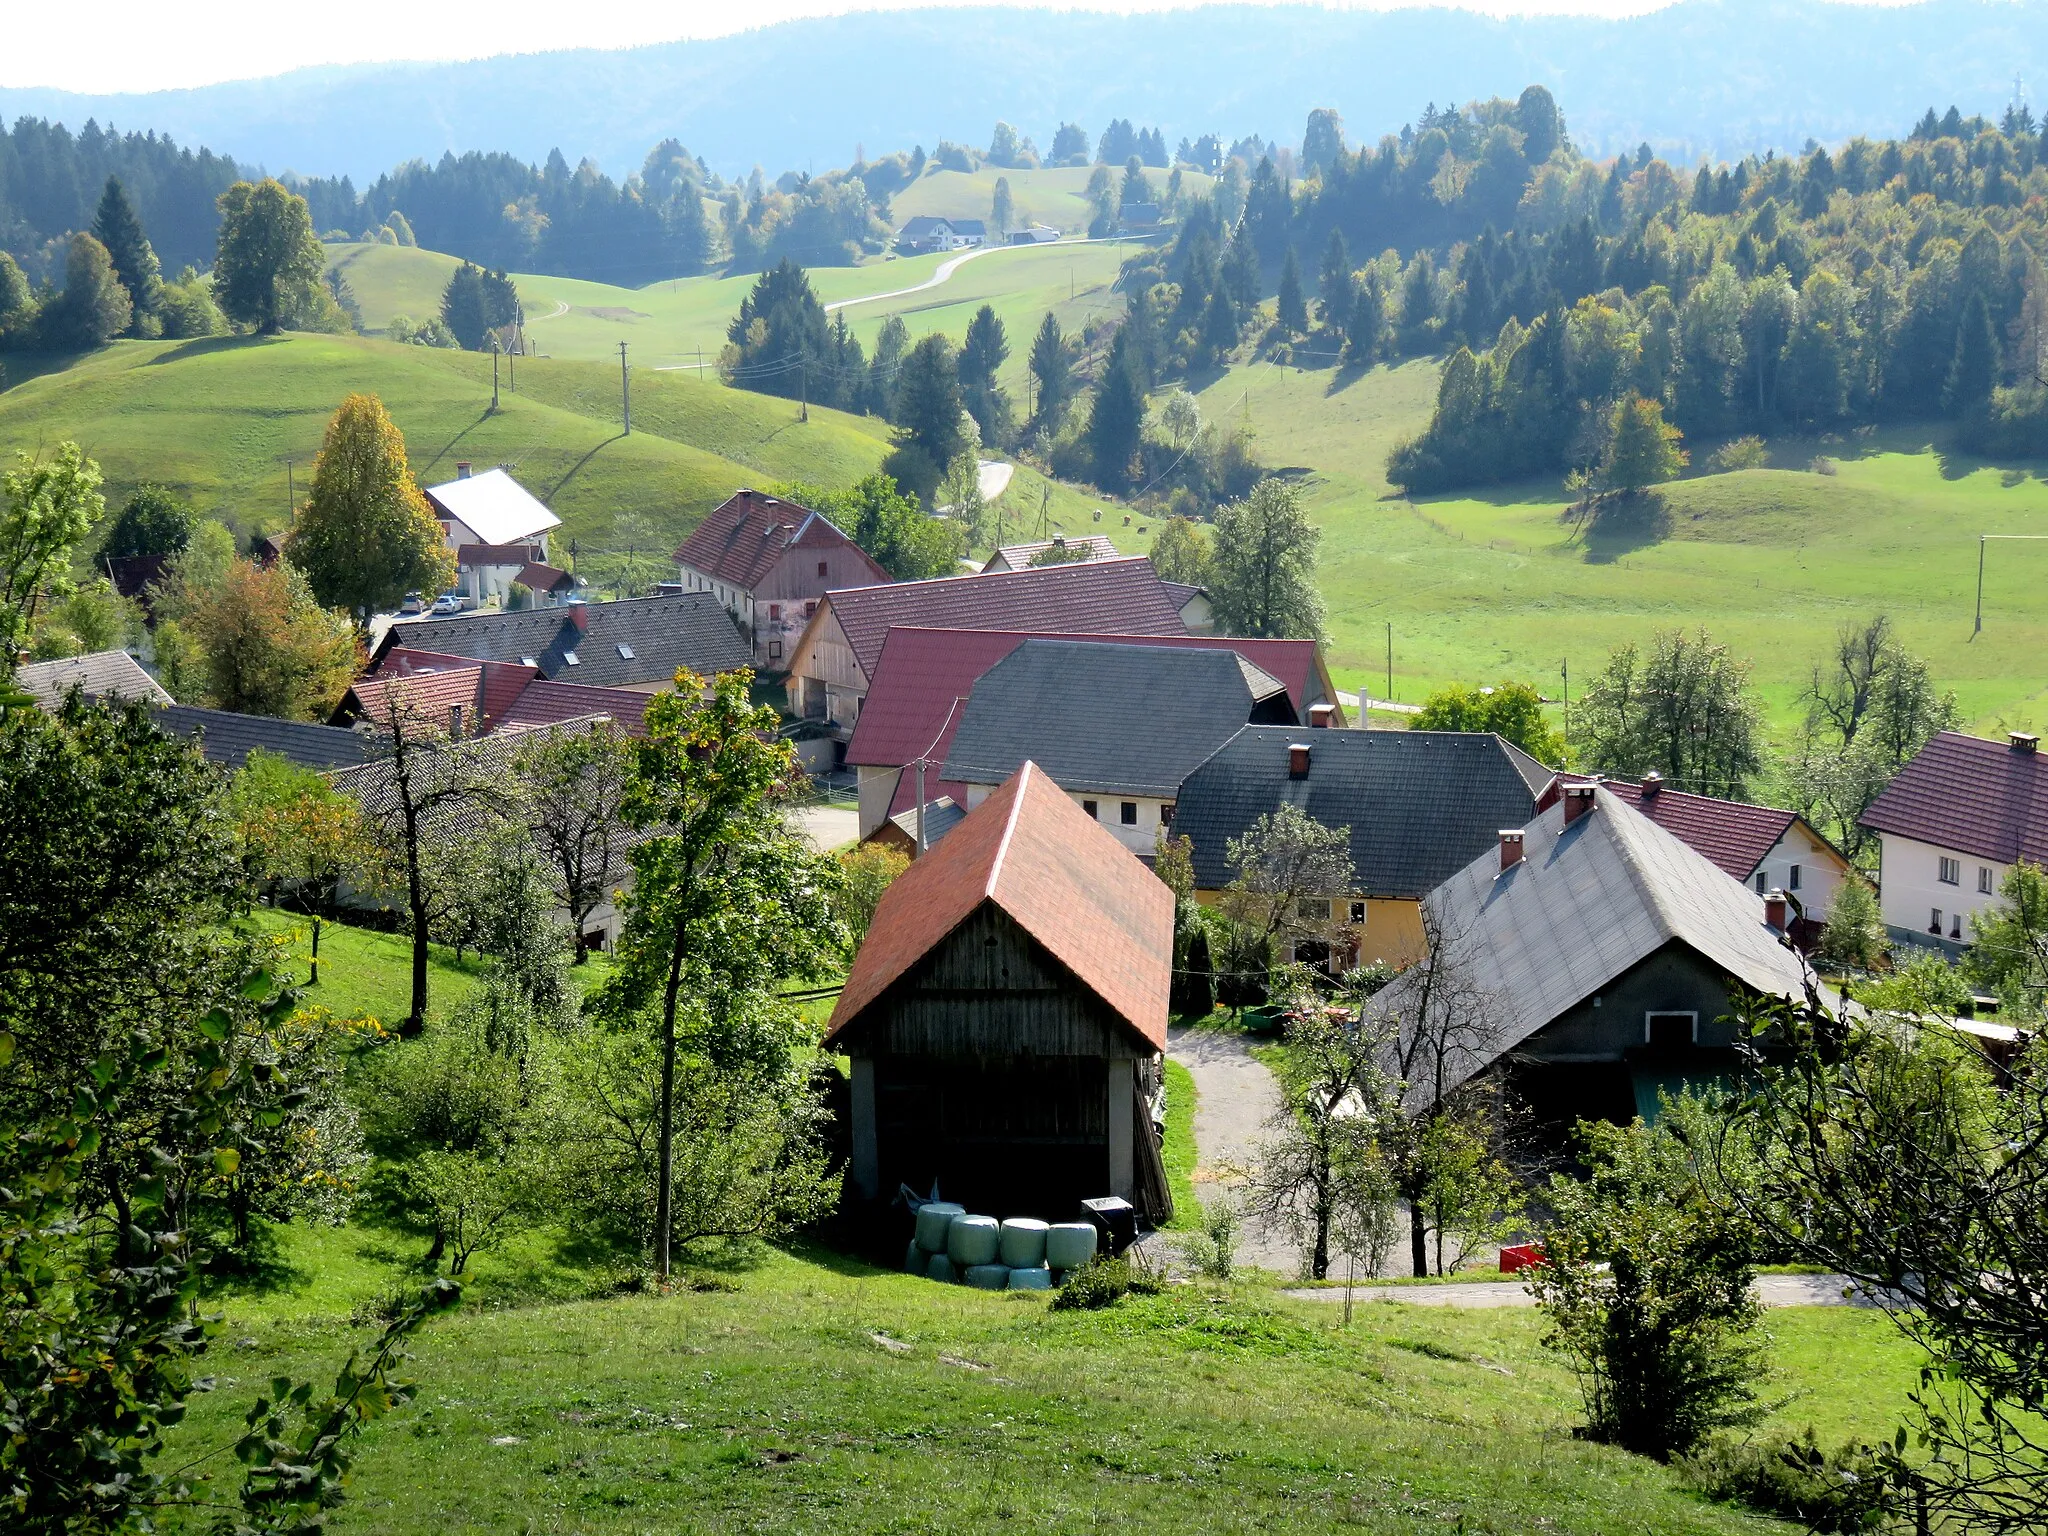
x=1911, y=887
x=1821, y=871
x=1141, y=838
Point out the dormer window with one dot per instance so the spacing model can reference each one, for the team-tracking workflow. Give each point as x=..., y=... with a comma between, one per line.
x=625, y=653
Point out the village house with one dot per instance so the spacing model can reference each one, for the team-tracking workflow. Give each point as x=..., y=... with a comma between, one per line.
x=638, y=643
x=1006, y=1016
x=97, y=675
x=227, y=738
x=1595, y=957
x=491, y=509
x=1053, y=551
x=1950, y=827
x=1419, y=805
x=926, y=233
x=1117, y=726
x=486, y=574
x=768, y=562
x=831, y=666
x=924, y=677
x=464, y=697
x=1763, y=847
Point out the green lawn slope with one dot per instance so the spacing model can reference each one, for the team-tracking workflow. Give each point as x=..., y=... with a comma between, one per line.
x=1773, y=561
x=1055, y=196
x=218, y=420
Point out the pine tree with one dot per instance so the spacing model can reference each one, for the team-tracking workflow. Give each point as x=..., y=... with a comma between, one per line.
x=1334, y=287
x=1293, y=309
x=1219, y=323
x=462, y=306
x=1052, y=372
x=1116, y=424
x=982, y=355
x=117, y=228
x=928, y=409
x=1975, y=368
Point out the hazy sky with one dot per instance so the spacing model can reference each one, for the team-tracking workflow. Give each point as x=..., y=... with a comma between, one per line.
x=137, y=46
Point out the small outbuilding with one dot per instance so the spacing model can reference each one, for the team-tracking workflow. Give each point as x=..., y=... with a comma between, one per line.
x=1006, y=1016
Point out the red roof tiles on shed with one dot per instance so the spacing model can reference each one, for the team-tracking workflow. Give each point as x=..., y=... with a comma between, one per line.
x=429, y=696
x=546, y=703
x=504, y=681
x=742, y=538
x=1989, y=798
x=1089, y=597
x=1059, y=875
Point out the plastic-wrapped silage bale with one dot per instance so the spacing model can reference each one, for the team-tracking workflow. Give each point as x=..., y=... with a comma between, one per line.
x=972, y=1240
x=915, y=1259
x=988, y=1277
x=1069, y=1244
x=1034, y=1279
x=1023, y=1243
x=941, y=1268
x=932, y=1222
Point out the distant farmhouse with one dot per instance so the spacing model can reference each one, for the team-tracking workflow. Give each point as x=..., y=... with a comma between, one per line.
x=768, y=562
x=498, y=532
x=1037, y=234
x=927, y=233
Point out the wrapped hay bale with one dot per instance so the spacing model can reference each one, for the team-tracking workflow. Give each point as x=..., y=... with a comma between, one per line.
x=915, y=1260
x=973, y=1240
x=1035, y=1279
x=1023, y=1242
x=941, y=1269
x=932, y=1222
x=988, y=1277
x=1070, y=1244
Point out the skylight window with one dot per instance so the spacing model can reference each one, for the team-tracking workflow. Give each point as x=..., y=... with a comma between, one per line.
x=625, y=653
x=570, y=658
x=528, y=661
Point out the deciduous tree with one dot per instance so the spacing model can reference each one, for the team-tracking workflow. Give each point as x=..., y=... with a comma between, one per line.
x=1512, y=711
x=1181, y=553
x=51, y=504
x=152, y=522
x=93, y=308
x=1262, y=580
x=267, y=253
x=574, y=788
x=269, y=647
x=1686, y=709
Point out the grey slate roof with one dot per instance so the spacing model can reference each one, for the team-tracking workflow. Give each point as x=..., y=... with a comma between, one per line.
x=1419, y=803
x=1585, y=904
x=227, y=738
x=940, y=817
x=687, y=629
x=1112, y=719
x=101, y=674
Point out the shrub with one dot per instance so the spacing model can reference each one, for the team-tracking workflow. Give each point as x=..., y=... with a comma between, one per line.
x=1739, y=453
x=1213, y=1249
x=1101, y=1282
x=1846, y=1489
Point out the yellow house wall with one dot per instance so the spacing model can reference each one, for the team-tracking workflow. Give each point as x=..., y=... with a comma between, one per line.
x=1392, y=934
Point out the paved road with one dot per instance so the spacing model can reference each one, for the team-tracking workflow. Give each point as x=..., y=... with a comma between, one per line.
x=947, y=268
x=826, y=827
x=994, y=477
x=1771, y=1290
x=1235, y=1097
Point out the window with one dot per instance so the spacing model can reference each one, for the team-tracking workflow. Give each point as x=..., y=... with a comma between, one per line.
x=774, y=650
x=1166, y=814
x=1792, y=878
x=822, y=568
x=1089, y=807
x=625, y=653
x=1313, y=909
x=1951, y=871
x=1763, y=882
x=1983, y=880
x=526, y=661
x=1358, y=914
x=1127, y=813
x=775, y=610
x=1670, y=1031
x=809, y=609
x=1934, y=922
x=571, y=659
x=1956, y=926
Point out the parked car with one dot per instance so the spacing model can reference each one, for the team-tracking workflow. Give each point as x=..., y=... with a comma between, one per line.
x=447, y=603
x=413, y=603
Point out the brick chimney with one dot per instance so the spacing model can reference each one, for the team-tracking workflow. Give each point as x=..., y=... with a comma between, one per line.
x=2023, y=741
x=1510, y=848
x=1320, y=715
x=462, y=469
x=1652, y=782
x=1578, y=800
x=579, y=615
x=1297, y=760
x=455, y=714
x=1774, y=910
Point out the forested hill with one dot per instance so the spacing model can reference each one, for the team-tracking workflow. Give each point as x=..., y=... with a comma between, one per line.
x=1719, y=77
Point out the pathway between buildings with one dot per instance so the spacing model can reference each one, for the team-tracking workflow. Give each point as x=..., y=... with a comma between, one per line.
x=1235, y=1096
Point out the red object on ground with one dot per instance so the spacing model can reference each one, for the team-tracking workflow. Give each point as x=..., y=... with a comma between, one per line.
x=1519, y=1257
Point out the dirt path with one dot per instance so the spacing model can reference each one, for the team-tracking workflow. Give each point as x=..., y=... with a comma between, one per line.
x=1771, y=1290
x=1236, y=1096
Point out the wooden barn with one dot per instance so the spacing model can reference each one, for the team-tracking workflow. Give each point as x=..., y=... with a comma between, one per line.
x=1006, y=1014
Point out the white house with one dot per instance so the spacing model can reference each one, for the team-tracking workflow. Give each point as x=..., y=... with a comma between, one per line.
x=491, y=509
x=1950, y=827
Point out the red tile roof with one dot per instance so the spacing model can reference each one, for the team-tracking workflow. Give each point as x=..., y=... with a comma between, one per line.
x=536, y=577
x=1730, y=834
x=429, y=696
x=742, y=538
x=1988, y=798
x=546, y=703
x=1060, y=875
x=504, y=681
x=1089, y=597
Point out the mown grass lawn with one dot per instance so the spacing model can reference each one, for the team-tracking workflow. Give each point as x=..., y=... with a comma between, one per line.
x=818, y=1395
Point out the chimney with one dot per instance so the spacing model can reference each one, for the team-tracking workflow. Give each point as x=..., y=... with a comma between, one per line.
x=1320, y=715
x=1652, y=782
x=1774, y=910
x=579, y=614
x=2023, y=741
x=1297, y=760
x=1578, y=800
x=455, y=713
x=1510, y=848
x=462, y=469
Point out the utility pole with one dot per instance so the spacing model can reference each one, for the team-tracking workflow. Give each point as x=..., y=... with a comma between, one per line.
x=625, y=393
x=1567, y=701
x=1390, y=661
x=291, y=512
x=494, y=372
x=1974, y=633
x=803, y=389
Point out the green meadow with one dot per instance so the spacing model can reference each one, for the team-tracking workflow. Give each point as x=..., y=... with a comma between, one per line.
x=1501, y=584
x=1056, y=195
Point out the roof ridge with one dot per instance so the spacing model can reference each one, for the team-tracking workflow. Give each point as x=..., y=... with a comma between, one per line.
x=1625, y=845
x=995, y=866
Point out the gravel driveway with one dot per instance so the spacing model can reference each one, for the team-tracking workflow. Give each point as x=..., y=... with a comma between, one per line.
x=1235, y=1097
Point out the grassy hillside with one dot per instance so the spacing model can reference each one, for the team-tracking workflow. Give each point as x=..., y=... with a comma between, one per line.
x=1055, y=196
x=218, y=419
x=1771, y=560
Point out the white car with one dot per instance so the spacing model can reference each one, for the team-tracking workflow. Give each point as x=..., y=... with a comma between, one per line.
x=447, y=603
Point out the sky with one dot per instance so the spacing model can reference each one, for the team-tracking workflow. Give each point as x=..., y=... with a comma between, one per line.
x=135, y=46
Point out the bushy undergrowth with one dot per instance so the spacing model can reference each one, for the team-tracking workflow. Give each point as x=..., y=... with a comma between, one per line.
x=1845, y=1489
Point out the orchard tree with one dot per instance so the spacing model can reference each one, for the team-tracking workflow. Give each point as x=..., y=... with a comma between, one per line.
x=1512, y=711
x=51, y=504
x=366, y=535
x=574, y=786
x=269, y=648
x=1181, y=553
x=1686, y=709
x=1643, y=449
x=302, y=836
x=151, y=523
x=1262, y=579
x=267, y=254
